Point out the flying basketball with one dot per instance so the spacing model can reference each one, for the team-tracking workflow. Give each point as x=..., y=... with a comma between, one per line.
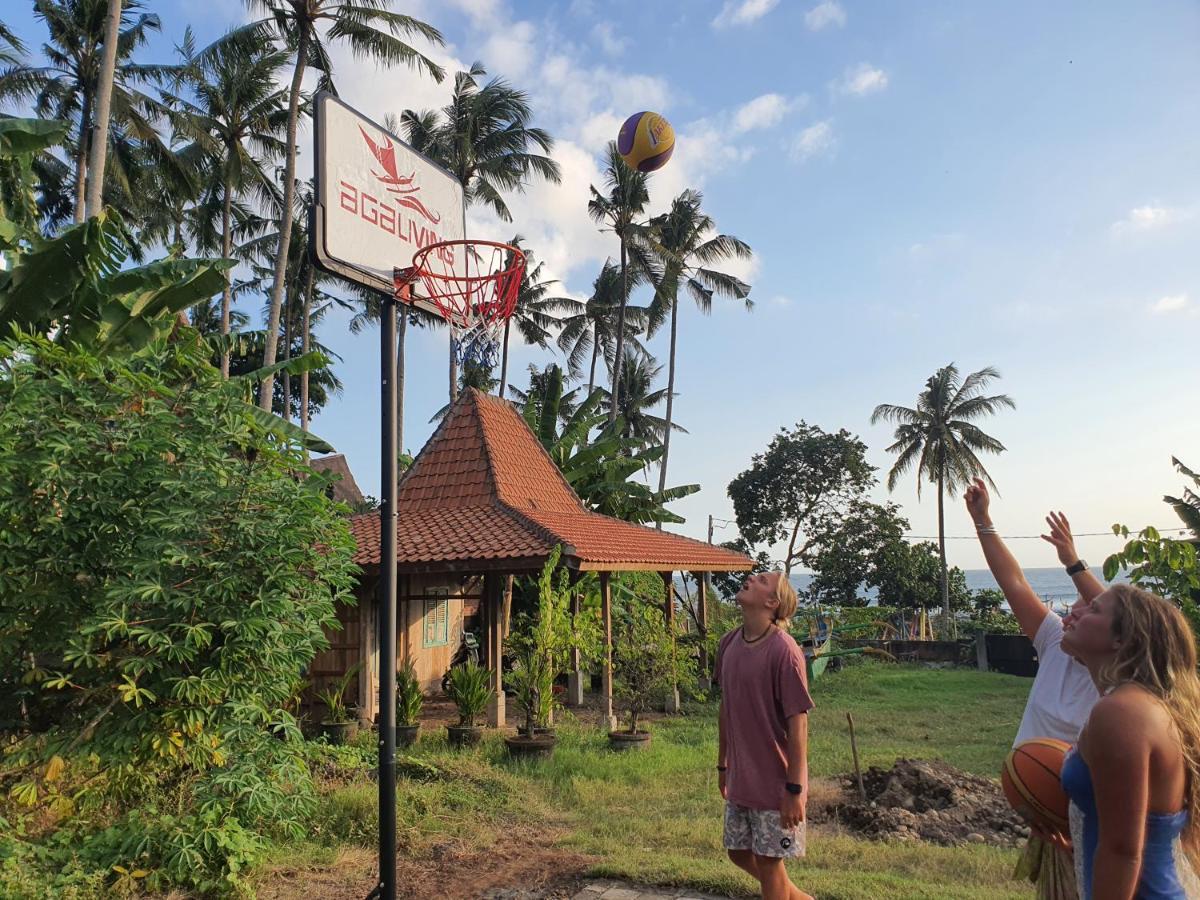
x=646, y=141
x=1032, y=781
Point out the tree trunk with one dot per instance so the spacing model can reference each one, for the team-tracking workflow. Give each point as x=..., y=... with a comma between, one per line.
x=453, y=370
x=99, y=148
x=945, y=586
x=227, y=290
x=285, y=223
x=288, y=312
x=306, y=338
x=401, y=333
x=614, y=398
x=662, y=465
x=504, y=361
x=595, y=353
x=81, y=156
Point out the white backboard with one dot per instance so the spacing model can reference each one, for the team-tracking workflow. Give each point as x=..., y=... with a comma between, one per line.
x=378, y=200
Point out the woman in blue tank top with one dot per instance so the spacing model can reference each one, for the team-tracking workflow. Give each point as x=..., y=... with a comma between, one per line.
x=1134, y=778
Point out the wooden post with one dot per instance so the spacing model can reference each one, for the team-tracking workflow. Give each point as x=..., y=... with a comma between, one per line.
x=575, y=672
x=606, y=700
x=493, y=600
x=862, y=791
x=368, y=658
x=672, y=704
x=981, y=654
x=702, y=623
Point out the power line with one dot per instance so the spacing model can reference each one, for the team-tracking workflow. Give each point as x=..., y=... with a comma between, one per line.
x=1033, y=537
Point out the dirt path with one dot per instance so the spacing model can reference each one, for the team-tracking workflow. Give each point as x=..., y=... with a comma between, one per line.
x=523, y=865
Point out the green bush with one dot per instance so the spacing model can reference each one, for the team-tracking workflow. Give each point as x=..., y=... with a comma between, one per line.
x=470, y=692
x=164, y=578
x=409, y=698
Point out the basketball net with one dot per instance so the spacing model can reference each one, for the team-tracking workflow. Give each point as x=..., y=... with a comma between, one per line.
x=474, y=285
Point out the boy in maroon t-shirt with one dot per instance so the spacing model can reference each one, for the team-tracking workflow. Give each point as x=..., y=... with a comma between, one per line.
x=763, y=747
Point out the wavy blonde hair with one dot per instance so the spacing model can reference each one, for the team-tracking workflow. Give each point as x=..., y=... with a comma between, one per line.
x=1158, y=652
x=786, y=595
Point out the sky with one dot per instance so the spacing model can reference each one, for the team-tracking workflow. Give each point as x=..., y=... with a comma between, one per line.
x=1010, y=185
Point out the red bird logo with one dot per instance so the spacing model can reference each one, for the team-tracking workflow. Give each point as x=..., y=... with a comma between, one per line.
x=398, y=184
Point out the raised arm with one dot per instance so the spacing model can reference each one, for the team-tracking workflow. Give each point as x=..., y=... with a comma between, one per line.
x=1089, y=586
x=1025, y=604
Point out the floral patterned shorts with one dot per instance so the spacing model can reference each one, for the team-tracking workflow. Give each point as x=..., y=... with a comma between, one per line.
x=759, y=831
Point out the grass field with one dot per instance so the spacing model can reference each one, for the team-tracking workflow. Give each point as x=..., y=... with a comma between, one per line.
x=655, y=816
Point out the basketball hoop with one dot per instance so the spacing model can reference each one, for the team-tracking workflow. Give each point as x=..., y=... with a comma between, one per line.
x=474, y=285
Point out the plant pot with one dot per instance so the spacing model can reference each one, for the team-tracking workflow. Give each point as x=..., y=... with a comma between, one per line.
x=628, y=740
x=540, y=746
x=406, y=735
x=464, y=735
x=338, y=733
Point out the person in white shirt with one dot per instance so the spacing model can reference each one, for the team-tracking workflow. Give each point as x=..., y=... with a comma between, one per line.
x=1063, y=692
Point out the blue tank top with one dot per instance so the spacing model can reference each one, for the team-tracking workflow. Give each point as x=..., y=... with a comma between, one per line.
x=1159, y=880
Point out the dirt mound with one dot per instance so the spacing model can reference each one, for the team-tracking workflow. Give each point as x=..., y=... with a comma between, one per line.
x=918, y=800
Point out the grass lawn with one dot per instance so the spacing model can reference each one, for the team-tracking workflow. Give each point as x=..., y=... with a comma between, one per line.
x=655, y=816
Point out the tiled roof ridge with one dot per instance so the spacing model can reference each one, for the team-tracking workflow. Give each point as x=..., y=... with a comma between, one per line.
x=542, y=531
x=421, y=461
x=507, y=407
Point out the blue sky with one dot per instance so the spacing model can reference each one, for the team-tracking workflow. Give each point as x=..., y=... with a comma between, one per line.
x=1005, y=184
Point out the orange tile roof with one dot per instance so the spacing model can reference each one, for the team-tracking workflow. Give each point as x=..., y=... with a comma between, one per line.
x=483, y=490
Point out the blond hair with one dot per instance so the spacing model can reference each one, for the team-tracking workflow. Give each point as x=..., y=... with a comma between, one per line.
x=785, y=595
x=1157, y=651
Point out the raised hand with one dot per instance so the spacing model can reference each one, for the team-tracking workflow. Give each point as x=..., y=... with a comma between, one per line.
x=978, y=501
x=1060, y=537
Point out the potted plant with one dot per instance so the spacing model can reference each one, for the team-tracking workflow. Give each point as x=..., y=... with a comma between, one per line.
x=471, y=692
x=338, y=726
x=409, y=700
x=644, y=668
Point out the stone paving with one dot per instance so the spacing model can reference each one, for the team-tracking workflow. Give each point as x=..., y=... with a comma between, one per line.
x=621, y=890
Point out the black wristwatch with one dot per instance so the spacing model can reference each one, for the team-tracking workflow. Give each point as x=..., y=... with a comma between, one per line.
x=793, y=788
x=1076, y=567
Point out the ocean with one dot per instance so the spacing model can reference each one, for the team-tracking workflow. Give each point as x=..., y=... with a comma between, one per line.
x=1053, y=585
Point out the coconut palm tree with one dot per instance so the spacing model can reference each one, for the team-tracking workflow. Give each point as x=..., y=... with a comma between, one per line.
x=68, y=86
x=635, y=400
x=483, y=136
x=238, y=118
x=308, y=28
x=625, y=202
x=533, y=314
x=938, y=439
x=687, y=243
x=589, y=330
x=104, y=91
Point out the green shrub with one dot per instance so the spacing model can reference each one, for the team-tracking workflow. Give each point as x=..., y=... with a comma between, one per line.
x=409, y=698
x=164, y=578
x=470, y=691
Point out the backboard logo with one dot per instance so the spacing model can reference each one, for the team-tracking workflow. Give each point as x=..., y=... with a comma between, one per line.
x=404, y=187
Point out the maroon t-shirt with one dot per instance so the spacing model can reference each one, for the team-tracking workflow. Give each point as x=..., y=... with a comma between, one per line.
x=762, y=686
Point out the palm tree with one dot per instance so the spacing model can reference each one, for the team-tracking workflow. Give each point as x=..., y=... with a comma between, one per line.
x=533, y=312
x=484, y=138
x=625, y=201
x=1187, y=506
x=939, y=439
x=685, y=240
x=68, y=86
x=635, y=400
x=307, y=27
x=104, y=90
x=590, y=329
x=238, y=117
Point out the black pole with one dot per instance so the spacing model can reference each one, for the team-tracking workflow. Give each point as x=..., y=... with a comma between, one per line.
x=386, y=888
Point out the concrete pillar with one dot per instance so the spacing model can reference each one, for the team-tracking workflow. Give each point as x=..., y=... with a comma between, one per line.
x=606, y=693
x=981, y=654
x=671, y=705
x=705, y=582
x=493, y=599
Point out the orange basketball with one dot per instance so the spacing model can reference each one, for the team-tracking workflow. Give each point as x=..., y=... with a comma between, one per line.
x=1032, y=781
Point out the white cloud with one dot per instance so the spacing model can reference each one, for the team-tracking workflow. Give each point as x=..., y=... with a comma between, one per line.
x=764, y=111
x=936, y=245
x=1149, y=218
x=1171, y=303
x=824, y=15
x=510, y=51
x=742, y=12
x=815, y=140
x=606, y=36
x=780, y=300
x=861, y=80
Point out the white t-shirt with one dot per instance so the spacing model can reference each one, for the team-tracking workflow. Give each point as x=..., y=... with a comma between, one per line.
x=1063, y=692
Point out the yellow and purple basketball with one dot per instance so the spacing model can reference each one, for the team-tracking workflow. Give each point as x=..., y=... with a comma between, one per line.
x=1032, y=782
x=646, y=141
